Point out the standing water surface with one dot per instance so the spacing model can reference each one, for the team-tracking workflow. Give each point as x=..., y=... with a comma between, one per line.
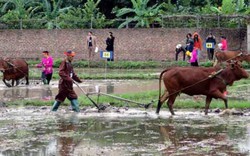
x=37, y=131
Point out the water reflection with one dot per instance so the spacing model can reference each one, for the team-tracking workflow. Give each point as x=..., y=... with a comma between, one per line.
x=196, y=135
x=66, y=143
x=16, y=93
x=107, y=86
x=46, y=93
x=110, y=88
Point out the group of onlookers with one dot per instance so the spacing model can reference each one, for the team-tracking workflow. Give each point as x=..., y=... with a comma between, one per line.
x=194, y=47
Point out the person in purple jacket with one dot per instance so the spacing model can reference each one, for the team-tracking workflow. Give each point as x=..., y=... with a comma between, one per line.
x=47, y=67
x=194, y=58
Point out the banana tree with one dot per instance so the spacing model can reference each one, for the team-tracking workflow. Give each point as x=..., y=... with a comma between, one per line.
x=16, y=11
x=140, y=13
x=88, y=16
x=50, y=11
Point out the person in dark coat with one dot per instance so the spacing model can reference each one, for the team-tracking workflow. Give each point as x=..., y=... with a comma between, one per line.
x=178, y=50
x=67, y=77
x=189, y=42
x=210, y=50
x=110, y=44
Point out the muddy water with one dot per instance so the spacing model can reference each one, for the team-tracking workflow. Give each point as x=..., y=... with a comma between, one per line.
x=45, y=92
x=39, y=91
x=36, y=131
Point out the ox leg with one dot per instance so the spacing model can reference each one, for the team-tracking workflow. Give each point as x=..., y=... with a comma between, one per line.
x=7, y=84
x=12, y=83
x=208, y=101
x=163, y=98
x=17, y=82
x=220, y=95
x=225, y=101
x=27, y=80
x=171, y=101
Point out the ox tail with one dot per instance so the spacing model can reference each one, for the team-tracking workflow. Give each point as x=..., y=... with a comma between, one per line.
x=159, y=100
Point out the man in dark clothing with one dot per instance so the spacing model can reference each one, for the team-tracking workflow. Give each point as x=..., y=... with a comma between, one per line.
x=210, y=44
x=67, y=76
x=110, y=44
x=179, y=49
x=189, y=42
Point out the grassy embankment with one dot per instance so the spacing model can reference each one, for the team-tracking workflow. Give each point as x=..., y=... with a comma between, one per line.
x=148, y=96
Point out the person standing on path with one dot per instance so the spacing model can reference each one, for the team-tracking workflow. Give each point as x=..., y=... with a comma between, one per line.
x=211, y=42
x=67, y=78
x=223, y=43
x=178, y=50
x=110, y=44
x=197, y=44
x=194, y=58
x=91, y=45
x=189, y=42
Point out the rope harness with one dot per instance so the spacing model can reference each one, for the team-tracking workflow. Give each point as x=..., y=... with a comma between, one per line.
x=14, y=66
x=212, y=75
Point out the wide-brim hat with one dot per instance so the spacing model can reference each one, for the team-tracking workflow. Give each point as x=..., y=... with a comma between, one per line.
x=69, y=53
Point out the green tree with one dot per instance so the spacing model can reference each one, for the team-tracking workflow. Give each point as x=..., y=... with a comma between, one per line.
x=231, y=7
x=141, y=14
x=50, y=11
x=93, y=17
x=15, y=11
x=168, y=8
x=228, y=7
x=87, y=17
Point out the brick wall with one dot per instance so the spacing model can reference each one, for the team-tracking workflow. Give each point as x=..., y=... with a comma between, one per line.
x=130, y=44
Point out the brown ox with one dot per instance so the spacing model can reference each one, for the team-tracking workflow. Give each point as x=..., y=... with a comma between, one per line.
x=228, y=56
x=198, y=81
x=14, y=69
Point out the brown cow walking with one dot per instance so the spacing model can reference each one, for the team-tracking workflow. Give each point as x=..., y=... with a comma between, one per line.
x=14, y=69
x=198, y=81
x=231, y=55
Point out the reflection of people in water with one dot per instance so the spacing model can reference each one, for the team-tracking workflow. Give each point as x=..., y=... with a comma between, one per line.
x=46, y=93
x=66, y=143
x=110, y=88
x=16, y=93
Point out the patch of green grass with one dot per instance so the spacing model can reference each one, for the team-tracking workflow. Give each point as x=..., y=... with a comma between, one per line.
x=122, y=64
x=141, y=97
x=190, y=103
x=98, y=76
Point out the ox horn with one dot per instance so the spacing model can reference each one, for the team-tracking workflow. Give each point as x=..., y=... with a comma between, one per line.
x=240, y=54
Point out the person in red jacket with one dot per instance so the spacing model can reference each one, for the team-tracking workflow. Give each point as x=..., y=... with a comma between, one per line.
x=67, y=77
x=197, y=44
x=223, y=42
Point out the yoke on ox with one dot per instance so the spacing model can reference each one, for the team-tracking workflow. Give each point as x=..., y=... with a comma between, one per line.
x=211, y=82
x=14, y=70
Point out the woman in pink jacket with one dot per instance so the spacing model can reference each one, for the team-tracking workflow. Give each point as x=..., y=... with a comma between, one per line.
x=223, y=42
x=194, y=57
x=47, y=65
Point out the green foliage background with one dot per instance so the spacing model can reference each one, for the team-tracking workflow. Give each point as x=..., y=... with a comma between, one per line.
x=65, y=14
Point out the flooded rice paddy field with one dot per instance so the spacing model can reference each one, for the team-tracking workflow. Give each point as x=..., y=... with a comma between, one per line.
x=36, y=90
x=37, y=131
x=117, y=131
x=39, y=91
